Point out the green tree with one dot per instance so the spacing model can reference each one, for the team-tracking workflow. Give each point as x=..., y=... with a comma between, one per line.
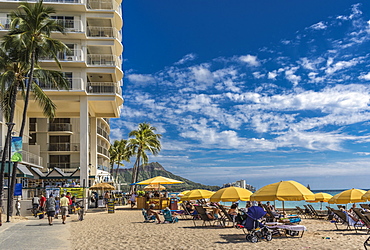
x=119, y=152
x=144, y=140
x=28, y=40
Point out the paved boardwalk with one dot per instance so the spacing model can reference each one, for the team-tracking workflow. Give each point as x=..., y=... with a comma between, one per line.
x=35, y=234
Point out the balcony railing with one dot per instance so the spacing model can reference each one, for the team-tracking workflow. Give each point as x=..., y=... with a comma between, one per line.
x=96, y=31
x=70, y=55
x=71, y=25
x=102, y=59
x=31, y=158
x=64, y=165
x=74, y=84
x=64, y=146
x=60, y=127
x=103, y=133
x=102, y=5
x=103, y=150
x=4, y=23
x=102, y=87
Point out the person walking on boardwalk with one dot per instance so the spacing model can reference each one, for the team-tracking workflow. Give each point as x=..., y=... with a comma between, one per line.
x=64, y=203
x=18, y=207
x=50, y=208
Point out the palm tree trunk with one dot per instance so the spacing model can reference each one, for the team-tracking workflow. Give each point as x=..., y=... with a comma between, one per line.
x=23, y=125
x=117, y=170
x=7, y=144
x=133, y=177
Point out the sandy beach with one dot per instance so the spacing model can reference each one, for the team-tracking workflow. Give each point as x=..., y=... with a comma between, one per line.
x=125, y=230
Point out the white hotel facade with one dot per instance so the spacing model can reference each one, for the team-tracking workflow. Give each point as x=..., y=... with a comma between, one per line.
x=75, y=144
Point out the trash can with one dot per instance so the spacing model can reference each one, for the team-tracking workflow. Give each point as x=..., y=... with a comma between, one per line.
x=111, y=206
x=173, y=204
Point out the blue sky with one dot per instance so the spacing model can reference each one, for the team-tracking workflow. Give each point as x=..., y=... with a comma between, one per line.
x=257, y=90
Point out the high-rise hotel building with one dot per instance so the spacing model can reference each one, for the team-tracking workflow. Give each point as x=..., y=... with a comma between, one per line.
x=74, y=146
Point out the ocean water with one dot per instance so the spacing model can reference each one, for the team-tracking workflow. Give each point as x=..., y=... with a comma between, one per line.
x=293, y=204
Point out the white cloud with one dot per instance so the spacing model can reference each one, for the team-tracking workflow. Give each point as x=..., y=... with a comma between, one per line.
x=250, y=60
x=272, y=75
x=141, y=78
x=186, y=58
x=365, y=77
x=319, y=26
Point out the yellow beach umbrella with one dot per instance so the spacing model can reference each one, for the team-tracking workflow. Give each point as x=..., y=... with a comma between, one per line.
x=283, y=191
x=366, y=196
x=197, y=194
x=322, y=197
x=159, y=180
x=102, y=186
x=154, y=187
x=348, y=196
x=183, y=193
x=231, y=194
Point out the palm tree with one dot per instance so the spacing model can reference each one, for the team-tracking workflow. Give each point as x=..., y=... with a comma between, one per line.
x=30, y=31
x=145, y=139
x=119, y=152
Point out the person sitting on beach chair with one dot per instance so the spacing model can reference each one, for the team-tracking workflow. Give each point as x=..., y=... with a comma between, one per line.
x=152, y=212
x=168, y=216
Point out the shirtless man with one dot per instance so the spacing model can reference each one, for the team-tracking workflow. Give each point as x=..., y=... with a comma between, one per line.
x=151, y=212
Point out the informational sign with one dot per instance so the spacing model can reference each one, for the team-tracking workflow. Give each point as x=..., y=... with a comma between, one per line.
x=16, y=149
x=54, y=191
x=77, y=192
x=18, y=189
x=110, y=206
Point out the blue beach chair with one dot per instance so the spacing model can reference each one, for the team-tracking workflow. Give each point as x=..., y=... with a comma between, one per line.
x=148, y=218
x=168, y=216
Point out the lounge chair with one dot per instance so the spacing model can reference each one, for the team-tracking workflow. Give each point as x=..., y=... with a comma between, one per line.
x=363, y=218
x=204, y=217
x=302, y=212
x=315, y=213
x=365, y=206
x=308, y=211
x=226, y=218
x=344, y=218
x=168, y=217
x=270, y=216
x=148, y=218
x=186, y=212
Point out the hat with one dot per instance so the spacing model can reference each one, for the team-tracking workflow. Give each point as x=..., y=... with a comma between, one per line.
x=151, y=205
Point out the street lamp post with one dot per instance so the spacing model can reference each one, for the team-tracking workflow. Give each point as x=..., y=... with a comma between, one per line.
x=10, y=127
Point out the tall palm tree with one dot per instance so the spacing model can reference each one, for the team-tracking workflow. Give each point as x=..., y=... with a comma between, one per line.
x=144, y=139
x=30, y=34
x=119, y=152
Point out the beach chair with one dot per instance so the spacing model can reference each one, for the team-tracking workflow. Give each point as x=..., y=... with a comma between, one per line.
x=315, y=213
x=301, y=212
x=186, y=213
x=204, y=217
x=168, y=217
x=343, y=218
x=308, y=211
x=226, y=218
x=148, y=218
x=367, y=243
x=271, y=217
x=365, y=206
x=365, y=220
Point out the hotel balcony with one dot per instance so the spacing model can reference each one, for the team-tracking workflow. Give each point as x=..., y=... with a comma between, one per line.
x=103, y=88
x=60, y=127
x=64, y=147
x=102, y=5
x=73, y=55
x=65, y=166
x=74, y=84
x=103, y=133
x=32, y=159
x=103, y=32
x=102, y=150
x=103, y=60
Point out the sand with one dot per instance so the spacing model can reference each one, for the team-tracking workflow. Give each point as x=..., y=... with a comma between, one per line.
x=125, y=230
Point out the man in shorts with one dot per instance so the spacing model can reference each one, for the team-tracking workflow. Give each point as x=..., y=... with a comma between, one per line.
x=64, y=203
x=50, y=208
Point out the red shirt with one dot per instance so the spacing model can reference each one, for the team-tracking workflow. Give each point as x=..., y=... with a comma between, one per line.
x=42, y=201
x=70, y=200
